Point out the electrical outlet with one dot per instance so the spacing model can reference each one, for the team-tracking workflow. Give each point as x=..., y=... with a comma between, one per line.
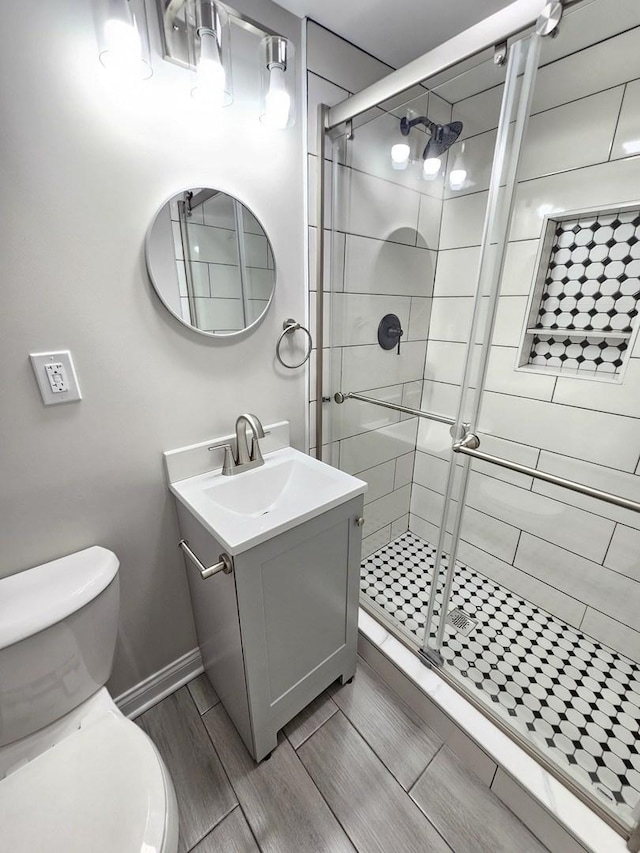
x=56, y=377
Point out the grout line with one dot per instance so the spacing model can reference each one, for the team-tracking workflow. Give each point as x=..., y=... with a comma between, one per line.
x=613, y=532
x=313, y=782
x=615, y=130
x=350, y=43
x=387, y=770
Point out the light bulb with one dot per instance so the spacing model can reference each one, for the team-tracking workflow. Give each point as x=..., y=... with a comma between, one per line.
x=458, y=173
x=122, y=54
x=457, y=178
x=210, y=75
x=431, y=167
x=277, y=102
x=400, y=155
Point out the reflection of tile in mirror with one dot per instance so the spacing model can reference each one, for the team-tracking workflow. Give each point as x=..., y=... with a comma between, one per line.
x=251, y=224
x=256, y=249
x=218, y=212
x=225, y=280
x=256, y=307
x=182, y=278
x=177, y=241
x=212, y=245
x=219, y=314
x=200, y=279
x=259, y=283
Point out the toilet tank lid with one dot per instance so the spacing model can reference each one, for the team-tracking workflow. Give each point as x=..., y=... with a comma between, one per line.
x=37, y=598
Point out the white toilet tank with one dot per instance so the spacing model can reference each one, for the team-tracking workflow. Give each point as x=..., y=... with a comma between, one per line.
x=58, y=626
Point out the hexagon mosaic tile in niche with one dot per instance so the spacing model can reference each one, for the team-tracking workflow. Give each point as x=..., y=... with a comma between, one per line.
x=591, y=285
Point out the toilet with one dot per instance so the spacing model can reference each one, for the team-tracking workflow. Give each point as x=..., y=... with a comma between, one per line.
x=75, y=773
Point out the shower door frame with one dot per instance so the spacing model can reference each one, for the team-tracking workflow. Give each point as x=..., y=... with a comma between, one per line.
x=500, y=31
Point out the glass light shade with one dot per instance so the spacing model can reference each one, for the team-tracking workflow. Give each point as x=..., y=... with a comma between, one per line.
x=400, y=153
x=209, y=54
x=277, y=110
x=122, y=49
x=277, y=101
x=210, y=75
x=431, y=168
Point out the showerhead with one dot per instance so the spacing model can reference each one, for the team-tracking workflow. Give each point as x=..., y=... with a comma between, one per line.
x=442, y=135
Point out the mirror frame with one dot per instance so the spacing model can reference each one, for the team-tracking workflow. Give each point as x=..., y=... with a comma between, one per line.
x=210, y=335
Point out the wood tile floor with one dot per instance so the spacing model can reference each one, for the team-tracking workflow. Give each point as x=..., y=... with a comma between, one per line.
x=355, y=771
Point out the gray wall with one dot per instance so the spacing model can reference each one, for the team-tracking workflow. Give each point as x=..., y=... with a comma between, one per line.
x=84, y=169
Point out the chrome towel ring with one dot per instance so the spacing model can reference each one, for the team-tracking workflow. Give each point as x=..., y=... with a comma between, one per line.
x=288, y=328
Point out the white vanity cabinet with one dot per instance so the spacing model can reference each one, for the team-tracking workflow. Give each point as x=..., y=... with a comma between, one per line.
x=282, y=626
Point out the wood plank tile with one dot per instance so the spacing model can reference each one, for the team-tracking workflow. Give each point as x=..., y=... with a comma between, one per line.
x=400, y=739
x=467, y=813
x=376, y=812
x=310, y=719
x=203, y=693
x=232, y=835
x=202, y=788
x=282, y=805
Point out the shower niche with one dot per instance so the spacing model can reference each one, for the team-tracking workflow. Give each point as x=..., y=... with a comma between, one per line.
x=582, y=314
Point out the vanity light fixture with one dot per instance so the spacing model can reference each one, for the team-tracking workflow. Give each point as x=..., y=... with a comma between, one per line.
x=196, y=35
x=122, y=39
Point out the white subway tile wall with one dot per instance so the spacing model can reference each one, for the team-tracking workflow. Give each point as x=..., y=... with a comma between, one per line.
x=387, y=226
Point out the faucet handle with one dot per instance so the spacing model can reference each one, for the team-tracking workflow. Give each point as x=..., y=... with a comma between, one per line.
x=256, y=453
x=229, y=460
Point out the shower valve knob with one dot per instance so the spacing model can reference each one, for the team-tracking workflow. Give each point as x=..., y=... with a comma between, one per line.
x=390, y=332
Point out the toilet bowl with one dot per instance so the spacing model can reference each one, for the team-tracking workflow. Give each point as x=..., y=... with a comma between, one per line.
x=75, y=774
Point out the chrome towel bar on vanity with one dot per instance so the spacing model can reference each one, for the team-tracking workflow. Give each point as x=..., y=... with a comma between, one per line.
x=225, y=565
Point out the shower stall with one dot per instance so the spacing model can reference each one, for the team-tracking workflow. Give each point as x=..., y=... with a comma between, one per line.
x=478, y=282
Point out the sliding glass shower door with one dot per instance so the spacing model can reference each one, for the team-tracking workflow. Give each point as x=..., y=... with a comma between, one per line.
x=534, y=611
x=490, y=301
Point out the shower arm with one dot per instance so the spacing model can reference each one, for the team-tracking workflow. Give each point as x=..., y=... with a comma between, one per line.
x=406, y=124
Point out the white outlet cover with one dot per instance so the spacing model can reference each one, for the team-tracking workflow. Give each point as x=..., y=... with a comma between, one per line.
x=39, y=360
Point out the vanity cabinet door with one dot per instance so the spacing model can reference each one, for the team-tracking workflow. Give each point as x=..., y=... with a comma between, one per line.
x=298, y=605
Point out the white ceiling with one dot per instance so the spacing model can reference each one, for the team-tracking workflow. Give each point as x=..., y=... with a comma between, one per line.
x=395, y=31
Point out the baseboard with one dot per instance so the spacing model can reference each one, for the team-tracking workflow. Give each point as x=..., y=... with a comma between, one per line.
x=167, y=680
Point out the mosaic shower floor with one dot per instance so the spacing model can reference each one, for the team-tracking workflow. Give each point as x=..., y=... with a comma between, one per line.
x=575, y=699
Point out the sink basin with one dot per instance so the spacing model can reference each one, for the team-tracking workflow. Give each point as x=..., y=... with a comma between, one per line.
x=245, y=509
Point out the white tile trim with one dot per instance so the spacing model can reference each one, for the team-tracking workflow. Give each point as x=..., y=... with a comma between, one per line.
x=162, y=683
x=564, y=807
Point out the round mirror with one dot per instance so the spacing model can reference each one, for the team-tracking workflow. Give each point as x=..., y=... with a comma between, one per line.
x=210, y=261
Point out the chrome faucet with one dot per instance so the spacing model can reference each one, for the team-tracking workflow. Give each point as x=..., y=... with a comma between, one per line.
x=245, y=457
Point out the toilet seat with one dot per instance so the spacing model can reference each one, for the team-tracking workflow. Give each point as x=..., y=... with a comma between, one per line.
x=102, y=789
